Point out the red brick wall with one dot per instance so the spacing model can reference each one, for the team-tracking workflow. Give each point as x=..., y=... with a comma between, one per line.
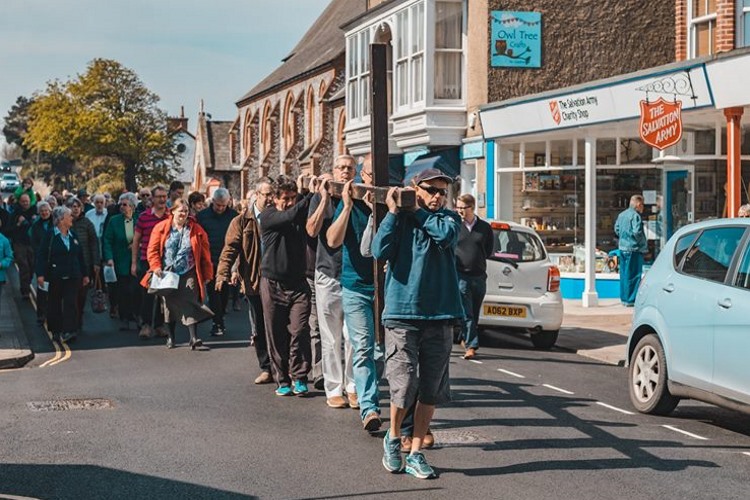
x=681, y=52
x=726, y=12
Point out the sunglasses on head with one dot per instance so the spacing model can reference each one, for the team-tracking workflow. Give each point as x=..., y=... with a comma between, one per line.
x=432, y=190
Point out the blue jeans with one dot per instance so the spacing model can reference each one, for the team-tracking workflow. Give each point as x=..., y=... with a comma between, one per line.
x=473, y=289
x=367, y=360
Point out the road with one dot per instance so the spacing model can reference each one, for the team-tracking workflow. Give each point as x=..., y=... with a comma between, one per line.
x=524, y=424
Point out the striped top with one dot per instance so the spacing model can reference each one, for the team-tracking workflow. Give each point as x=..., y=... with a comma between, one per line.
x=146, y=222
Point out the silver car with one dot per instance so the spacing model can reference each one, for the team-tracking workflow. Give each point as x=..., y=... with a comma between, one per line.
x=523, y=286
x=9, y=182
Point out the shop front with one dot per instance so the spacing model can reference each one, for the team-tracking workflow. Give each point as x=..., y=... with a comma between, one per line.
x=567, y=162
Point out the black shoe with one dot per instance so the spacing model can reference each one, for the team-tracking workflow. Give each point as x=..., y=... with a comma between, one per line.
x=319, y=383
x=67, y=336
x=217, y=331
x=195, y=343
x=170, y=343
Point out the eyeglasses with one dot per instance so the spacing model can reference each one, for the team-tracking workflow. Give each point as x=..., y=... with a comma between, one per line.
x=463, y=207
x=124, y=204
x=145, y=195
x=432, y=190
x=366, y=172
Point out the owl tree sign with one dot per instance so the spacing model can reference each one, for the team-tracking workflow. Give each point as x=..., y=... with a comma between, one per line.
x=516, y=39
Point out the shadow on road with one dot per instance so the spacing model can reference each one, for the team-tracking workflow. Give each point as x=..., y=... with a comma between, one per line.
x=467, y=393
x=89, y=481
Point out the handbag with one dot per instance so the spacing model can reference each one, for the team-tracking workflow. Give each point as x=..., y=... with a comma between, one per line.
x=98, y=297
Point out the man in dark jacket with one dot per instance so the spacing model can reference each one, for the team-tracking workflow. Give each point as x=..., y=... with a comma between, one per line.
x=475, y=244
x=215, y=221
x=283, y=287
x=18, y=233
x=242, y=251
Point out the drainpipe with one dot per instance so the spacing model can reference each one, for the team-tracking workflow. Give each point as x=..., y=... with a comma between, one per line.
x=734, y=177
x=590, y=298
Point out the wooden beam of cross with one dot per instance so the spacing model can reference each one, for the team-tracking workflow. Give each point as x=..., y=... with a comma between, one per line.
x=405, y=198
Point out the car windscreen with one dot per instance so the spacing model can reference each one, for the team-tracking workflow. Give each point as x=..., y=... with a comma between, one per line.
x=9, y=177
x=518, y=246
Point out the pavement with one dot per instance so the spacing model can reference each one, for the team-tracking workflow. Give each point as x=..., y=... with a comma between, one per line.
x=14, y=346
x=599, y=332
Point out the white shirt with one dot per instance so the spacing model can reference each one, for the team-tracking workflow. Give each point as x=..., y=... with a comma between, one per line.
x=97, y=219
x=470, y=225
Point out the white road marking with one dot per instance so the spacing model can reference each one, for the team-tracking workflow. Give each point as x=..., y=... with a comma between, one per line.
x=475, y=361
x=557, y=389
x=746, y=453
x=626, y=412
x=512, y=374
x=690, y=434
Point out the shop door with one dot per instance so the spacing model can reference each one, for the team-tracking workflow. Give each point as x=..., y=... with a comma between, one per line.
x=678, y=200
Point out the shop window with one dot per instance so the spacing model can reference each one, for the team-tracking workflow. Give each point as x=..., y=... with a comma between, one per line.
x=701, y=27
x=449, y=50
x=705, y=142
x=606, y=152
x=635, y=152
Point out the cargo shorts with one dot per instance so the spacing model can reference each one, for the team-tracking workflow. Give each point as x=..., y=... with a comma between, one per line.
x=416, y=363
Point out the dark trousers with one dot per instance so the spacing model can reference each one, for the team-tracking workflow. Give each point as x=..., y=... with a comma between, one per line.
x=81, y=304
x=473, y=290
x=126, y=296
x=23, y=256
x=217, y=301
x=150, y=311
x=61, y=305
x=258, y=332
x=41, y=303
x=287, y=311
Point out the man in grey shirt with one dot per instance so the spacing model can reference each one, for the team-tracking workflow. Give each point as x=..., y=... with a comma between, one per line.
x=337, y=372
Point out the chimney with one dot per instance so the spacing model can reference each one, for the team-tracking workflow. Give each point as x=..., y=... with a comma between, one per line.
x=178, y=124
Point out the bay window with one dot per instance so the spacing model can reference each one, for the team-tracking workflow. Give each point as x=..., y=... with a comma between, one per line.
x=358, y=76
x=448, y=50
x=701, y=27
x=409, y=55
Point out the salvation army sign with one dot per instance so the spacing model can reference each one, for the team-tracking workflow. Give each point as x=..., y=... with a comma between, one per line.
x=661, y=123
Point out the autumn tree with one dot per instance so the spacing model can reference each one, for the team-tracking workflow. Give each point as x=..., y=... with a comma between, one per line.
x=105, y=112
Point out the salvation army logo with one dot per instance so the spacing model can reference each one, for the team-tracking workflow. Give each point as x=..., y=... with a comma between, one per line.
x=554, y=108
x=661, y=123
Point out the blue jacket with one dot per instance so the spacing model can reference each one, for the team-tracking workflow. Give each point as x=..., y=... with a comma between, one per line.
x=420, y=247
x=629, y=228
x=6, y=257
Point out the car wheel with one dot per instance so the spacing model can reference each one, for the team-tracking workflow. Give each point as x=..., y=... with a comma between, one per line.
x=648, y=378
x=545, y=339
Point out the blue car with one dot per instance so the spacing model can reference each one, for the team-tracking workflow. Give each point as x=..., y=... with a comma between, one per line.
x=690, y=337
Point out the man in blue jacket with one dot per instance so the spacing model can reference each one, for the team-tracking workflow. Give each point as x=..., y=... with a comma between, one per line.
x=422, y=306
x=632, y=246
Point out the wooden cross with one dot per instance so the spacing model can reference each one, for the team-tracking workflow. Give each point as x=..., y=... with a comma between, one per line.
x=405, y=198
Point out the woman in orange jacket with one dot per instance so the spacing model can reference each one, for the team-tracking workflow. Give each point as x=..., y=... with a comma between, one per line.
x=180, y=245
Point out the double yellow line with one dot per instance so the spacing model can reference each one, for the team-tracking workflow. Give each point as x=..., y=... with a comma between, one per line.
x=62, y=350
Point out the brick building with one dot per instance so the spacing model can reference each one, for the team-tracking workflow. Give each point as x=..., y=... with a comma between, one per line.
x=293, y=121
x=565, y=158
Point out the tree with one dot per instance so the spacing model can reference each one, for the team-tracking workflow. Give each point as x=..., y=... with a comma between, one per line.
x=16, y=124
x=105, y=112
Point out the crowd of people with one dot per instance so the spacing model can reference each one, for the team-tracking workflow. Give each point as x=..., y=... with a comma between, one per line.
x=302, y=259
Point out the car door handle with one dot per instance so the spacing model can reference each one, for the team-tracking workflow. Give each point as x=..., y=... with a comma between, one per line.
x=669, y=288
x=725, y=303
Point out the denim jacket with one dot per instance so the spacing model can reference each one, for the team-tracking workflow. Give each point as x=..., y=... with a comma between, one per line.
x=420, y=247
x=629, y=228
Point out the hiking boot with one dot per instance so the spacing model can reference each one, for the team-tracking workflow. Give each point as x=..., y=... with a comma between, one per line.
x=336, y=402
x=392, y=459
x=371, y=422
x=300, y=388
x=284, y=390
x=417, y=466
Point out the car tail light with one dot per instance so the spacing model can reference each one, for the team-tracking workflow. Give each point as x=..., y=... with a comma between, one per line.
x=500, y=226
x=553, y=279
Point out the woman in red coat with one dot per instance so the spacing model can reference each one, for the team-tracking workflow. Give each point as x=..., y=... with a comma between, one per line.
x=180, y=245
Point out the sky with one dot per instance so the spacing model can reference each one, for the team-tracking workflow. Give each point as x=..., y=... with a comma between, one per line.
x=183, y=50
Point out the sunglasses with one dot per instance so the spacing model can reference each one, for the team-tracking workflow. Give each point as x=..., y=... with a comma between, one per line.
x=433, y=190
